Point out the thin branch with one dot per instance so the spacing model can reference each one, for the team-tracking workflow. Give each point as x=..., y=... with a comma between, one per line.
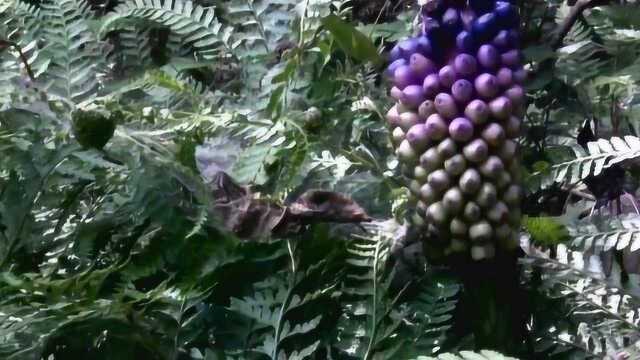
x=575, y=13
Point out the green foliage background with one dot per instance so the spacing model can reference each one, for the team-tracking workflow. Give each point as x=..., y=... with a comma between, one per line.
x=114, y=252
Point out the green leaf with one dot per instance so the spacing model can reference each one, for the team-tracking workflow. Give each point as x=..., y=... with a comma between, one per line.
x=352, y=41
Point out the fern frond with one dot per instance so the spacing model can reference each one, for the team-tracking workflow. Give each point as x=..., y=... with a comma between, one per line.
x=608, y=233
x=600, y=155
x=197, y=26
x=73, y=49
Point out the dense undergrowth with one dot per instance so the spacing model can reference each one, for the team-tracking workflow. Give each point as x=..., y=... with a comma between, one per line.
x=194, y=231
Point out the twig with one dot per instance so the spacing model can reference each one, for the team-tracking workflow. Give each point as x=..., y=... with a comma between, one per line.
x=575, y=13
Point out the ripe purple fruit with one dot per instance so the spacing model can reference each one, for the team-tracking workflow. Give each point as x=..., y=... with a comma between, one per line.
x=505, y=77
x=436, y=127
x=465, y=65
x=418, y=136
x=462, y=91
x=421, y=66
x=431, y=85
x=458, y=88
x=446, y=105
x=487, y=85
x=488, y=56
x=477, y=111
x=511, y=58
x=413, y=96
x=465, y=42
x=447, y=76
x=404, y=76
x=426, y=109
x=461, y=129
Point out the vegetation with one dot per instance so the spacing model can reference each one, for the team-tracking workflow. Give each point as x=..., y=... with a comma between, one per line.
x=215, y=180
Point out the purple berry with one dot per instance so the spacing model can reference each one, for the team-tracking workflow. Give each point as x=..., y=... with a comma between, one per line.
x=446, y=105
x=493, y=134
x=477, y=111
x=451, y=20
x=511, y=58
x=481, y=6
x=461, y=129
x=485, y=27
x=465, y=65
x=468, y=16
x=488, y=56
x=487, y=85
x=501, y=107
x=520, y=75
x=431, y=85
x=421, y=66
x=408, y=47
x=403, y=77
x=424, y=46
x=502, y=41
x=394, y=66
x=516, y=94
x=462, y=90
x=505, y=77
x=396, y=93
x=437, y=213
x=447, y=76
x=420, y=174
x=437, y=127
x=413, y=96
x=506, y=14
x=464, y=42
x=418, y=136
x=476, y=151
x=426, y=109
x=395, y=53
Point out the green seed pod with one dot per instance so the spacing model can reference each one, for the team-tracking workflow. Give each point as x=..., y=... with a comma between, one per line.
x=480, y=232
x=437, y=213
x=453, y=201
x=455, y=165
x=458, y=228
x=483, y=252
x=472, y=212
x=487, y=195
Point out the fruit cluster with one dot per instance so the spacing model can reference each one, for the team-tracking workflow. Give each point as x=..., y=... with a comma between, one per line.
x=460, y=101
